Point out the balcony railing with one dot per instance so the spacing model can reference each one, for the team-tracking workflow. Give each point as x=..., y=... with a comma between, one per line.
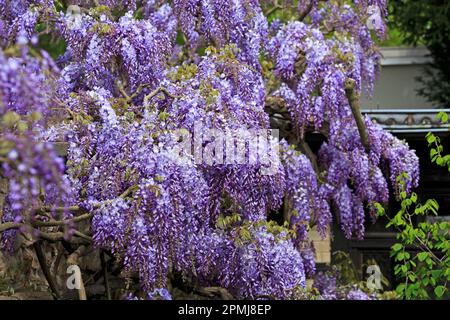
x=408, y=120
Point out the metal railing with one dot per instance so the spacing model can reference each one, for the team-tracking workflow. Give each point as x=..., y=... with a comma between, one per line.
x=408, y=120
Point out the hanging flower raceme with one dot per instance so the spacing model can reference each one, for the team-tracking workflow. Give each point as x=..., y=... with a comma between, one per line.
x=96, y=44
x=167, y=209
x=34, y=171
x=252, y=262
x=219, y=22
x=28, y=84
x=18, y=19
x=164, y=107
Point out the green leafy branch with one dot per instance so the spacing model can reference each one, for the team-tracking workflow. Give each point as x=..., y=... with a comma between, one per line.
x=422, y=252
x=436, y=151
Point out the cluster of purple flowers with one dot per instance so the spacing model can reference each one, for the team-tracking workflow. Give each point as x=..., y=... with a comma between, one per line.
x=34, y=172
x=224, y=22
x=328, y=289
x=264, y=265
x=95, y=44
x=134, y=72
x=309, y=203
x=19, y=18
x=27, y=83
x=170, y=221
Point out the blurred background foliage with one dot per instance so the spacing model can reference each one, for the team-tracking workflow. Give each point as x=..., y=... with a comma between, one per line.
x=425, y=23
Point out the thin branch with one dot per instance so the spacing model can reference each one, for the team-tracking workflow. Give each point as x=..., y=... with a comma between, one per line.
x=421, y=246
x=353, y=100
x=307, y=10
x=105, y=275
x=60, y=236
x=56, y=223
x=72, y=209
x=122, y=90
x=306, y=149
x=51, y=236
x=129, y=191
x=43, y=263
x=82, y=235
x=58, y=260
x=275, y=7
x=156, y=92
x=9, y=225
x=287, y=212
x=139, y=90
x=424, y=245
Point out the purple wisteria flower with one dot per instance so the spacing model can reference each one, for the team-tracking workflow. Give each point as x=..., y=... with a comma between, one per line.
x=133, y=74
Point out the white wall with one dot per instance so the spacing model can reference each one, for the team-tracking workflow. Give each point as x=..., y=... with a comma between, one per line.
x=396, y=85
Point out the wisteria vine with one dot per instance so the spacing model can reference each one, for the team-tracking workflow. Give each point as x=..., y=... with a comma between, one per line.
x=135, y=72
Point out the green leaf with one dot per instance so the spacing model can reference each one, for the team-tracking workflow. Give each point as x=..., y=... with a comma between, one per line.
x=10, y=119
x=397, y=269
x=436, y=273
x=35, y=116
x=400, y=289
x=397, y=247
x=433, y=152
x=439, y=291
x=443, y=225
x=380, y=209
x=443, y=116
x=433, y=281
x=422, y=256
x=423, y=293
x=446, y=158
x=404, y=268
x=22, y=126
x=410, y=291
x=5, y=147
x=163, y=116
x=430, y=138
